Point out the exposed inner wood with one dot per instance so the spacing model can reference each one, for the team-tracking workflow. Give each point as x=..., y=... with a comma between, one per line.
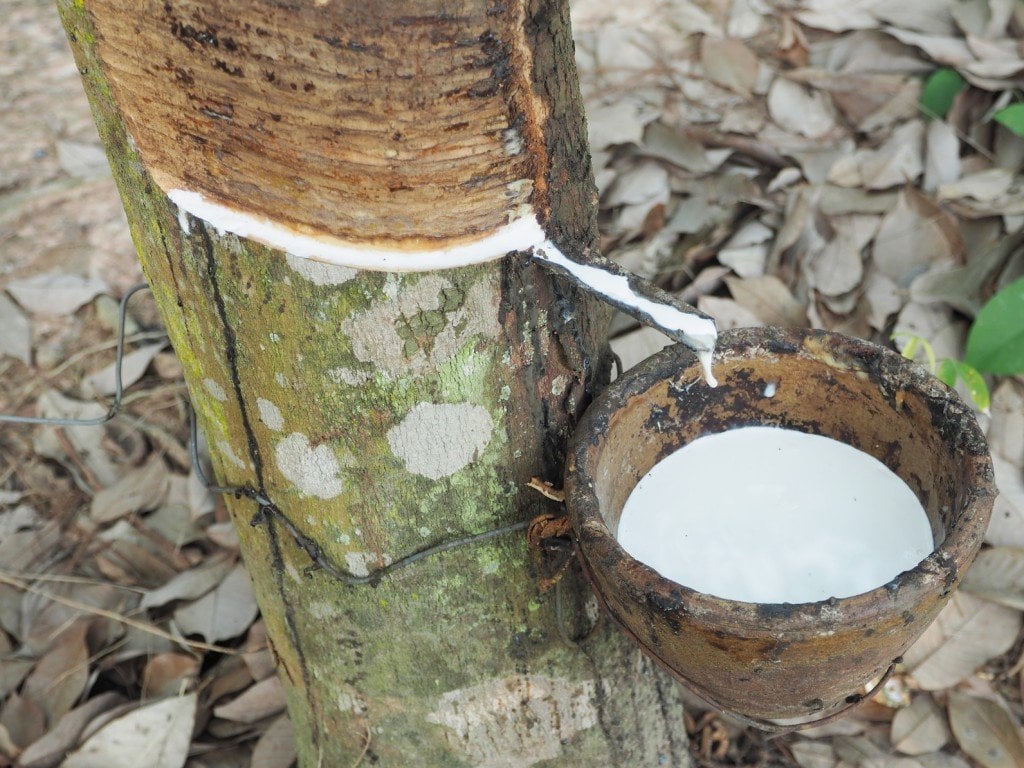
x=392, y=125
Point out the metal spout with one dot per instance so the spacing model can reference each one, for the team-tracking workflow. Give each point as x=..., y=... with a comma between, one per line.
x=637, y=297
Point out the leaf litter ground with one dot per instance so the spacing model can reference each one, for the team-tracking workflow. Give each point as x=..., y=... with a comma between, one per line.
x=769, y=161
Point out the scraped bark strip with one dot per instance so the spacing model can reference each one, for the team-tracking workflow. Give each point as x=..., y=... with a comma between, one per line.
x=406, y=125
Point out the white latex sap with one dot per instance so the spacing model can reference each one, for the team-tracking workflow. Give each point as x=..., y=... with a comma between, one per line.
x=768, y=515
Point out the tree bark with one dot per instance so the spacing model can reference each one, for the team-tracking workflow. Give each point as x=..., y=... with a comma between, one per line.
x=383, y=412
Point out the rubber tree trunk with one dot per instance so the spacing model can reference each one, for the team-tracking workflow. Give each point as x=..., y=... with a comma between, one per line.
x=383, y=412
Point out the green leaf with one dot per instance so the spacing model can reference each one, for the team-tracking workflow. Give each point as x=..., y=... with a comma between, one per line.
x=1012, y=117
x=947, y=372
x=976, y=386
x=910, y=350
x=950, y=370
x=940, y=89
x=995, y=343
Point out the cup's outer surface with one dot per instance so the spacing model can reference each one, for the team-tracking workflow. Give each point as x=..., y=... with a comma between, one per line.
x=780, y=661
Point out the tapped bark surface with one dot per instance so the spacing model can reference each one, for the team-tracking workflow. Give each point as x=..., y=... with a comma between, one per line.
x=383, y=413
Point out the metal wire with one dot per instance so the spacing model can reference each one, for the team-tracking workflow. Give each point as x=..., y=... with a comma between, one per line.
x=122, y=313
x=267, y=510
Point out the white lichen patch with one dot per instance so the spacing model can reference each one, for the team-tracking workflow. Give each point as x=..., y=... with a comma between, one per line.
x=349, y=376
x=280, y=379
x=314, y=470
x=270, y=414
x=229, y=453
x=320, y=273
x=216, y=390
x=359, y=563
x=351, y=701
x=436, y=440
x=516, y=721
x=377, y=332
x=324, y=611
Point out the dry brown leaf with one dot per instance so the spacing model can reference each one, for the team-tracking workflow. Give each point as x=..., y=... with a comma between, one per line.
x=983, y=185
x=747, y=250
x=942, y=156
x=276, y=747
x=50, y=748
x=134, y=555
x=224, y=613
x=155, y=736
x=60, y=676
x=903, y=106
x=997, y=575
x=256, y=652
x=133, y=365
x=21, y=518
x=963, y=288
x=996, y=58
x=1007, y=525
x=87, y=443
x=15, y=332
x=7, y=498
x=668, y=143
x=173, y=519
x=729, y=63
x=191, y=584
x=934, y=322
x=835, y=201
x=708, y=280
x=769, y=299
x=55, y=293
x=224, y=535
x=1006, y=430
x=859, y=752
x=944, y=49
x=929, y=16
x=968, y=632
x=7, y=746
x=167, y=674
x=728, y=314
x=869, y=51
x=800, y=110
x=911, y=238
x=23, y=719
x=985, y=731
x=919, y=728
x=46, y=612
x=973, y=16
x=838, y=15
x=644, y=184
x=201, y=500
x=81, y=159
x=941, y=760
x=139, y=490
x=22, y=548
x=897, y=161
x=12, y=672
x=839, y=267
x=813, y=754
x=616, y=123
x=638, y=345
x=883, y=297
x=257, y=702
